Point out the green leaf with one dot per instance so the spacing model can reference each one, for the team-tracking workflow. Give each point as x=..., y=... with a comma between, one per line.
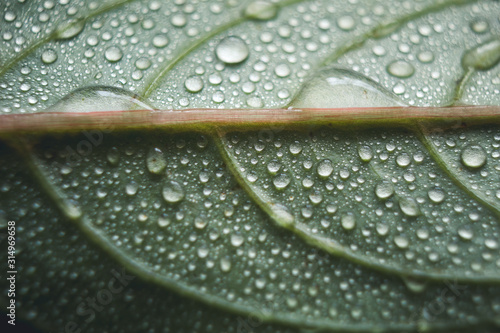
x=320, y=228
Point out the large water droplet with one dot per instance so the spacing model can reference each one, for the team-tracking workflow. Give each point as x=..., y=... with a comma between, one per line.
x=409, y=206
x=281, y=181
x=401, y=69
x=113, y=54
x=232, y=50
x=473, y=156
x=49, y=56
x=99, y=98
x=70, y=29
x=482, y=57
x=325, y=168
x=339, y=88
x=348, y=221
x=155, y=161
x=436, y=195
x=193, y=84
x=261, y=10
x=173, y=192
x=365, y=153
x=237, y=239
x=384, y=190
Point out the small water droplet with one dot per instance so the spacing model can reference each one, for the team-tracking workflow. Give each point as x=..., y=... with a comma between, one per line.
x=382, y=229
x=160, y=41
x=325, y=168
x=415, y=285
x=401, y=69
x=295, y=148
x=273, y=167
x=479, y=26
x=409, y=206
x=473, y=156
x=155, y=161
x=131, y=188
x=403, y=160
x=232, y=50
x=163, y=222
x=173, y=192
x=225, y=265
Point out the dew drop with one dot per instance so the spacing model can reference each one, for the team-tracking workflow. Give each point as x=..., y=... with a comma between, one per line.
x=295, y=148
x=261, y=10
x=479, y=26
x=70, y=29
x=365, y=153
x=193, y=84
x=466, y=233
x=436, y=195
x=409, y=206
x=415, y=285
x=237, y=240
x=232, y=50
x=403, y=160
x=483, y=56
x=382, y=229
x=346, y=23
x=113, y=54
x=200, y=223
x=401, y=241
x=281, y=181
x=49, y=56
x=325, y=168
x=473, y=156
x=384, y=190
x=155, y=161
x=163, y=222
x=339, y=88
x=131, y=188
x=99, y=98
x=225, y=265
x=113, y=156
x=282, y=70
x=173, y=192
x=348, y=221
x=400, y=69
x=160, y=41
x=273, y=167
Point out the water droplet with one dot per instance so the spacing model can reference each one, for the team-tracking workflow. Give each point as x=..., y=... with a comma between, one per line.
x=346, y=23
x=409, y=206
x=436, y=195
x=382, y=229
x=49, y=56
x=200, y=223
x=401, y=69
x=339, y=88
x=163, y=222
x=325, y=168
x=70, y=29
x=193, y=84
x=113, y=156
x=473, y=156
x=466, y=233
x=237, y=239
x=415, y=285
x=426, y=57
x=155, y=161
x=99, y=98
x=365, y=153
x=295, y=148
x=178, y=20
x=131, y=188
x=348, y=221
x=281, y=181
x=403, y=160
x=225, y=265
x=282, y=70
x=479, y=26
x=232, y=50
x=113, y=54
x=401, y=241
x=160, y=41
x=202, y=252
x=491, y=244
x=273, y=167
x=173, y=192
x=261, y=10
x=384, y=190
x=483, y=56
